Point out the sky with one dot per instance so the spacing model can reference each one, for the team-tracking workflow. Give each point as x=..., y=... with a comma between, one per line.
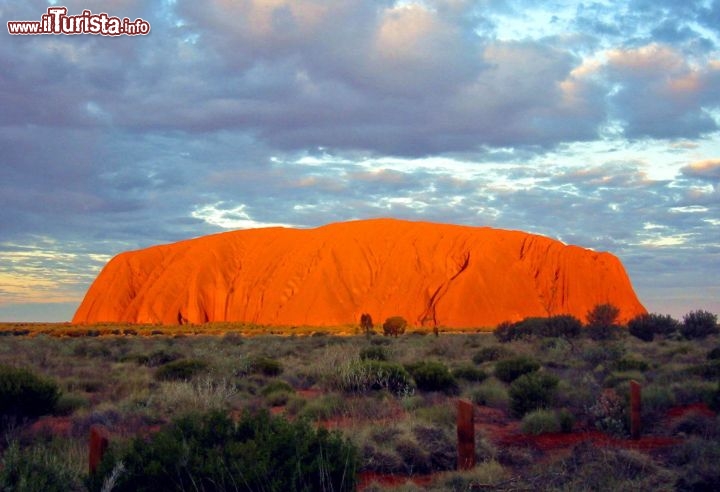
x=594, y=123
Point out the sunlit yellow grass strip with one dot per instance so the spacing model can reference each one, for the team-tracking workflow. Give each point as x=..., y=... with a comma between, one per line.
x=216, y=329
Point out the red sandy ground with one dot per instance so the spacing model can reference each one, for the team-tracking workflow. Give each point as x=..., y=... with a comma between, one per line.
x=500, y=429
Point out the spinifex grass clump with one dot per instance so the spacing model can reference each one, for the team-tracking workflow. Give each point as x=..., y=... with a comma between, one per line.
x=433, y=376
x=211, y=452
x=360, y=376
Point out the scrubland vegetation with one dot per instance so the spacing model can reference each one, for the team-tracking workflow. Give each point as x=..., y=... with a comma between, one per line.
x=235, y=412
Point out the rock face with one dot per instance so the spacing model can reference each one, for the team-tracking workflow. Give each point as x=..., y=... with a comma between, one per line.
x=431, y=274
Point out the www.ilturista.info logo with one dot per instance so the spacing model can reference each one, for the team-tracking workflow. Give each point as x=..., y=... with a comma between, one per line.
x=56, y=21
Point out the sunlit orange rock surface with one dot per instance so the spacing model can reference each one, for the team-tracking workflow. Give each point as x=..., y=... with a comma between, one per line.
x=431, y=274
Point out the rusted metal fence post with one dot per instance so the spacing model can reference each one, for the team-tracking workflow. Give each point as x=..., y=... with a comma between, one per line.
x=99, y=440
x=466, y=435
x=635, y=408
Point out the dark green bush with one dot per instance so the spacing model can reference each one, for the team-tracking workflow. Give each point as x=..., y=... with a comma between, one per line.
x=509, y=370
x=698, y=324
x=646, y=326
x=562, y=325
x=211, y=452
x=714, y=354
x=508, y=332
x=373, y=352
x=25, y=394
x=531, y=391
x=489, y=354
x=602, y=333
x=180, y=369
x=534, y=325
x=395, y=325
x=469, y=373
x=555, y=326
x=266, y=366
x=433, y=376
x=567, y=420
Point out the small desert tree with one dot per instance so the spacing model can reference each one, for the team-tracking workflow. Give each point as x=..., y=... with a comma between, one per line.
x=395, y=325
x=366, y=323
x=601, y=322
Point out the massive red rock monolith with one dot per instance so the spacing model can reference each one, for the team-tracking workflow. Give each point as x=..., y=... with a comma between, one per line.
x=431, y=274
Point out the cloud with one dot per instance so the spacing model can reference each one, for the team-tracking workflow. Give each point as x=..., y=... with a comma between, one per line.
x=708, y=170
x=660, y=94
x=594, y=123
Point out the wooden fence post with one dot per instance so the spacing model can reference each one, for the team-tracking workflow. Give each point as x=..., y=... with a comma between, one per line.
x=466, y=435
x=99, y=441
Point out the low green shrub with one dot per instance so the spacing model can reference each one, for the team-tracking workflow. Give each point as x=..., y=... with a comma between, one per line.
x=277, y=393
x=491, y=393
x=276, y=385
x=531, y=391
x=325, y=407
x=67, y=403
x=158, y=358
x=540, y=421
x=657, y=399
x=490, y=354
x=591, y=467
x=469, y=373
x=630, y=364
x=25, y=394
x=433, y=376
x=211, y=452
x=373, y=352
x=509, y=370
x=180, y=369
x=602, y=353
x=266, y=366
